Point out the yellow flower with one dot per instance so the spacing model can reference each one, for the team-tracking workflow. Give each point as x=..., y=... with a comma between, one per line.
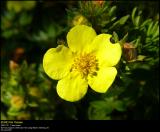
x=89, y=60
x=17, y=101
x=18, y=6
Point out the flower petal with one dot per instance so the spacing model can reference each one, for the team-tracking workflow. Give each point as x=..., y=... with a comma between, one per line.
x=72, y=88
x=103, y=80
x=57, y=62
x=108, y=54
x=79, y=37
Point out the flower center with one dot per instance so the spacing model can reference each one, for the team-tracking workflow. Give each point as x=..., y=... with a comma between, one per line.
x=85, y=64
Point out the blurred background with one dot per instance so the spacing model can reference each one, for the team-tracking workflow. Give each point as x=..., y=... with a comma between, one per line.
x=30, y=28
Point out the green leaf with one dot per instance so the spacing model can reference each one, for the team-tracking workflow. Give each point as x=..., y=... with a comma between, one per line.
x=155, y=30
x=137, y=42
x=115, y=36
x=137, y=21
x=25, y=19
x=119, y=105
x=112, y=10
x=13, y=111
x=9, y=15
x=124, y=19
x=51, y=31
x=9, y=33
x=104, y=8
x=6, y=98
x=33, y=104
x=146, y=22
x=3, y=116
x=114, y=18
x=124, y=39
x=114, y=25
x=41, y=36
x=155, y=26
x=98, y=104
x=149, y=29
x=133, y=14
x=156, y=33
x=140, y=57
x=94, y=114
x=44, y=100
x=155, y=39
x=101, y=105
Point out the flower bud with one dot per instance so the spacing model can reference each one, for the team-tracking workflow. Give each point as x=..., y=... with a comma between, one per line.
x=18, y=54
x=99, y=2
x=13, y=65
x=35, y=92
x=130, y=52
x=79, y=20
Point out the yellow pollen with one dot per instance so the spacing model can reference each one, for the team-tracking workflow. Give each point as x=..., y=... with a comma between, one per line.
x=85, y=64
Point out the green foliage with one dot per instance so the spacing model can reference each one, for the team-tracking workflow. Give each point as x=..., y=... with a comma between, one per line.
x=38, y=26
x=101, y=110
x=29, y=83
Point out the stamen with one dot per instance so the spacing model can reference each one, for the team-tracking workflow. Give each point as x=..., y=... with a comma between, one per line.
x=85, y=64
